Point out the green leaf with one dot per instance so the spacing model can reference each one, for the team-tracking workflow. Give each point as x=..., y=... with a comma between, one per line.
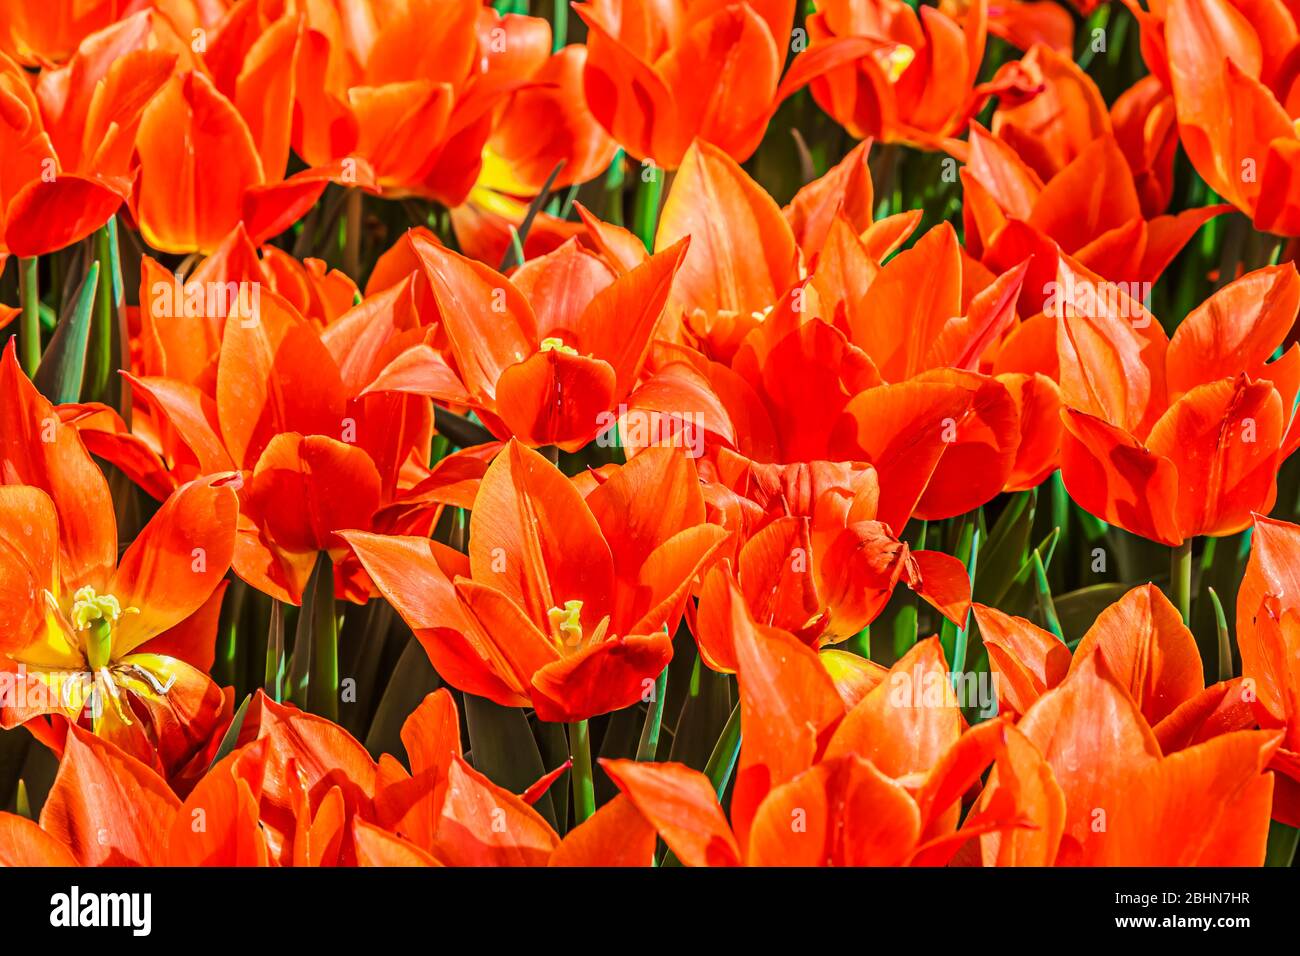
x=226, y=665
x=1046, y=607
x=645, y=210
x=1021, y=598
x=1077, y=610
x=13, y=753
x=232, y=733
x=106, y=302
x=1225, y=642
x=275, y=659
x=374, y=638
x=1221, y=569
x=323, y=684
x=722, y=761
x=648, y=748
x=703, y=715
x=1006, y=548
x=515, y=254
x=62, y=370
x=462, y=432
x=1282, y=840
x=952, y=637
x=300, y=659
x=720, y=766
x=553, y=743
x=413, y=680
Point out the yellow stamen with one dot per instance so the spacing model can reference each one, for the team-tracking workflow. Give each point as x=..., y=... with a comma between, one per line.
x=106, y=687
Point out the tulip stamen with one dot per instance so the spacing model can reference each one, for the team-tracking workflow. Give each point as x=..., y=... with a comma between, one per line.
x=95, y=615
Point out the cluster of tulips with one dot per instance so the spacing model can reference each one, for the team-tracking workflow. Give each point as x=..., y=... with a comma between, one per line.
x=845, y=432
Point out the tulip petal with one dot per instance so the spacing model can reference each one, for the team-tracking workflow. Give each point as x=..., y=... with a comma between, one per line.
x=680, y=804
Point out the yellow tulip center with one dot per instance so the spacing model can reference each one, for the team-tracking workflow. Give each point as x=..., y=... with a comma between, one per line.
x=566, y=622
x=553, y=344
x=94, y=615
x=567, y=630
x=897, y=60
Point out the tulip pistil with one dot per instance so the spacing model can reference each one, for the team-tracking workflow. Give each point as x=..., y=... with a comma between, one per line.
x=567, y=629
x=897, y=60
x=554, y=344
x=566, y=622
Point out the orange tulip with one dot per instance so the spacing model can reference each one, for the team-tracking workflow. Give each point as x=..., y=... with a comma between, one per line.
x=1232, y=80
x=564, y=604
x=1010, y=437
x=1022, y=24
x=66, y=140
x=1148, y=651
x=1268, y=636
x=544, y=356
x=1172, y=438
x=813, y=558
x=250, y=386
x=41, y=34
x=201, y=173
x=1061, y=171
x=301, y=791
x=407, y=88
x=1064, y=113
x=120, y=645
x=542, y=125
x=443, y=812
x=919, y=83
x=1085, y=772
x=1026, y=186
x=819, y=368
x=660, y=75
x=878, y=785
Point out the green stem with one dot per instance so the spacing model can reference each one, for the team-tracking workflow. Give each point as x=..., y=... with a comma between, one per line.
x=645, y=210
x=1060, y=513
x=29, y=332
x=1181, y=580
x=323, y=684
x=614, y=178
x=584, y=789
x=352, y=238
x=105, y=318
x=561, y=25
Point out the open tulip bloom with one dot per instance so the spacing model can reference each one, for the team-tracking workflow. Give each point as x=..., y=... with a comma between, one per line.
x=657, y=432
